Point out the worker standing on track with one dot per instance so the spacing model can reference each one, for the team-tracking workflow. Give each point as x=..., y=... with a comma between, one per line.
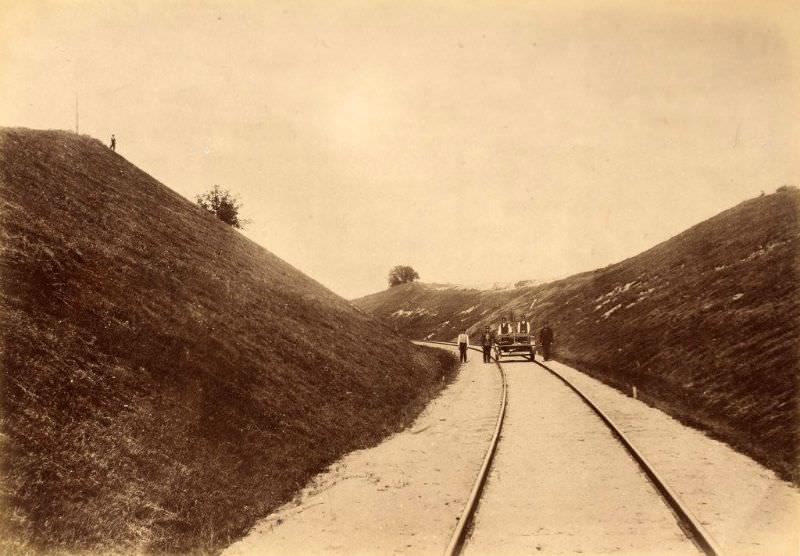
x=546, y=339
x=523, y=326
x=463, y=344
x=487, y=339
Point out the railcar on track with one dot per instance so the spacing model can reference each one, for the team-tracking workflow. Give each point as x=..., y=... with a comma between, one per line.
x=515, y=345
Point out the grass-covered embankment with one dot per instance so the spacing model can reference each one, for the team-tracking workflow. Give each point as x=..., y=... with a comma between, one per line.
x=706, y=324
x=165, y=381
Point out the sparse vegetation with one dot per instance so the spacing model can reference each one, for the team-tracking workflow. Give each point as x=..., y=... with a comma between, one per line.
x=402, y=275
x=165, y=381
x=223, y=204
x=705, y=324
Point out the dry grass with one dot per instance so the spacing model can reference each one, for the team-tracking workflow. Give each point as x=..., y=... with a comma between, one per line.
x=165, y=381
x=705, y=324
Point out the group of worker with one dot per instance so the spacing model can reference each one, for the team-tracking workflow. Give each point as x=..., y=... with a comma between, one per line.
x=506, y=328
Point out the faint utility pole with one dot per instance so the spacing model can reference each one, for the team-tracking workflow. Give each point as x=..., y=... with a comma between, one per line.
x=77, y=120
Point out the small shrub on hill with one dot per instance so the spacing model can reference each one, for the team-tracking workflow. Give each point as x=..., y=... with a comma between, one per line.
x=223, y=204
x=402, y=275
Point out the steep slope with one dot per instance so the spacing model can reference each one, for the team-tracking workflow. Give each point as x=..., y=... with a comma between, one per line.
x=165, y=381
x=705, y=324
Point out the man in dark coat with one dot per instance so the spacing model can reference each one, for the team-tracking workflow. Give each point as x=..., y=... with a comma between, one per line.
x=487, y=339
x=546, y=340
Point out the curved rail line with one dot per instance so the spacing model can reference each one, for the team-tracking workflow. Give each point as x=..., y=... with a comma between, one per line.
x=460, y=532
x=689, y=524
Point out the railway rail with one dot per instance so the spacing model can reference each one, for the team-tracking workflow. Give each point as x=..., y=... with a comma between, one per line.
x=689, y=524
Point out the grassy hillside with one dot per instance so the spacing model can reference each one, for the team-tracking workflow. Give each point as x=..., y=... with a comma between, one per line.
x=165, y=381
x=437, y=311
x=705, y=324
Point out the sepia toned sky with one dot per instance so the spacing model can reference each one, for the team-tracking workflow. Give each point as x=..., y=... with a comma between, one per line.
x=475, y=141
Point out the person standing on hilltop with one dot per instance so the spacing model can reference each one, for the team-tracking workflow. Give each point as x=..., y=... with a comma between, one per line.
x=546, y=339
x=113, y=143
x=463, y=344
x=487, y=339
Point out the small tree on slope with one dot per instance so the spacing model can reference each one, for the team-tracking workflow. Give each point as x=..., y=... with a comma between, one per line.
x=402, y=275
x=223, y=204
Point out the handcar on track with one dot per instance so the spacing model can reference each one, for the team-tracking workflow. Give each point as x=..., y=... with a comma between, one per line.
x=519, y=345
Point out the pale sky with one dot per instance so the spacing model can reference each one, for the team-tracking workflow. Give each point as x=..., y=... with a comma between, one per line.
x=475, y=141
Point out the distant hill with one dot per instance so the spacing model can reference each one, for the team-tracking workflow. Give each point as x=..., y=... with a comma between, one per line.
x=165, y=381
x=705, y=324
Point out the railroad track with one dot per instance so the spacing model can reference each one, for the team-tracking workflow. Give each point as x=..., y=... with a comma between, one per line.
x=689, y=524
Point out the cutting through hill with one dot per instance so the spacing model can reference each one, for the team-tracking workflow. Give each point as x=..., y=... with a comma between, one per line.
x=704, y=325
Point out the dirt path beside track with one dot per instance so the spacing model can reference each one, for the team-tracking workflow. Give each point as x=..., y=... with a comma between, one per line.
x=560, y=483
x=746, y=508
x=402, y=496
